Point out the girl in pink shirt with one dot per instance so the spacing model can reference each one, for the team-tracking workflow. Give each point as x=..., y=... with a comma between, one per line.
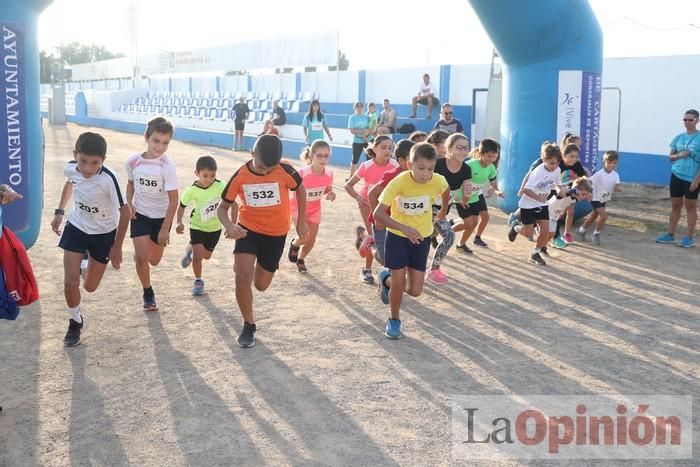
x=371, y=172
x=318, y=182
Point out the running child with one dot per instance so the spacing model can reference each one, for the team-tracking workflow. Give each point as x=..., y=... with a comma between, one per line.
x=483, y=170
x=151, y=194
x=418, y=137
x=605, y=182
x=566, y=197
x=318, y=182
x=371, y=173
x=96, y=225
x=410, y=197
x=373, y=121
x=205, y=228
x=438, y=138
x=533, y=203
x=260, y=223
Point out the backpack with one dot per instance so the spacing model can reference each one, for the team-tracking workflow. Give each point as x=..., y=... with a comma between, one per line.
x=20, y=282
x=407, y=128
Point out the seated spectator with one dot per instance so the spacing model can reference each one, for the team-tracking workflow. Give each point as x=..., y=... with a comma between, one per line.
x=427, y=95
x=278, y=118
x=446, y=122
x=387, y=120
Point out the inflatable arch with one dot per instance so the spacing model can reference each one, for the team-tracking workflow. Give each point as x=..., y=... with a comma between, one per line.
x=552, y=61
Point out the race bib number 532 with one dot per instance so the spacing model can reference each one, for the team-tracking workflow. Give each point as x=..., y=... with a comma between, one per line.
x=414, y=205
x=260, y=195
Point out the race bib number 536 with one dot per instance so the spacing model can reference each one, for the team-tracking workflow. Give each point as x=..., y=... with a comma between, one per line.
x=413, y=206
x=148, y=184
x=260, y=195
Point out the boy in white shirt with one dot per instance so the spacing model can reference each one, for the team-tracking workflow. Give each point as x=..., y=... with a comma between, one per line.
x=96, y=226
x=605, y=182
x=533, y=204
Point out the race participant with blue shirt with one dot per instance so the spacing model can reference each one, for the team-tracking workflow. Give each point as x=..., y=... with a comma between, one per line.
x=315, y=124
x=685, y=156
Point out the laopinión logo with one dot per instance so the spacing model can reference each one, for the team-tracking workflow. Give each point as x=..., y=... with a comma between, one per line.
x=572, y=427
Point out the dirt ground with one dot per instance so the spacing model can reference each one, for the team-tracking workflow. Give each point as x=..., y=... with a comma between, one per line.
x=323, y=386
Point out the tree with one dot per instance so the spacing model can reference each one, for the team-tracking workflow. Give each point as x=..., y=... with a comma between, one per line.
x=75, y=53
x=343, y=62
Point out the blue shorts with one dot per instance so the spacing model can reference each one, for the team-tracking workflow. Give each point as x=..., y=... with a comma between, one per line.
x=597, y=204
x=379, y=242
x=97, y=245
x=143, y=225
x=400, y=253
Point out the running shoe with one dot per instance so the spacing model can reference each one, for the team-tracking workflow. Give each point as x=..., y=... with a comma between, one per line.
x=393, y=329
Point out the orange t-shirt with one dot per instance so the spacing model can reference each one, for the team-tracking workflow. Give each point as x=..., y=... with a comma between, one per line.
x=264, y=206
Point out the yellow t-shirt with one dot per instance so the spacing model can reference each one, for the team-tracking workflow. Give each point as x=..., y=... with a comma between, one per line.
x=411, y=202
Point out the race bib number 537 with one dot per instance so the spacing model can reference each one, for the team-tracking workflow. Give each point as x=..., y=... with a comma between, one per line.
x=260, y=195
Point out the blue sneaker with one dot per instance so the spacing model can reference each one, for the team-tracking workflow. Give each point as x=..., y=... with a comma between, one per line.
x=511, y=219
x=686, y=242
x=393, y=329
x=198, y=287
x=383, y=289
x=559, y=243
x=187, y=259
x=665, y=238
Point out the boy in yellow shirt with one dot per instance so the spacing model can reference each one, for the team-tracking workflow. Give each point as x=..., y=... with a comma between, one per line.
x=410, y=197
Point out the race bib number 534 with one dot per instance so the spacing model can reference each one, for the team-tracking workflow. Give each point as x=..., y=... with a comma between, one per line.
x=260, y=195
x=414, y=205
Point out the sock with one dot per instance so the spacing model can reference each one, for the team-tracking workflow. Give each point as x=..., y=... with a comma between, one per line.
x=75, y=314
x=148, y=289
x=518, y=228
x=535, y=251
x=477, y=236
x=596, y=231
x=582, y=229
x=196, y=278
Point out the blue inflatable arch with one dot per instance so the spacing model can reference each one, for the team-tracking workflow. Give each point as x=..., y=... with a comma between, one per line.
x=535, y=43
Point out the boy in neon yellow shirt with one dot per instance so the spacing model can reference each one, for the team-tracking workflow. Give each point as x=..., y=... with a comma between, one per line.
x=205, y=227
x=410, y=197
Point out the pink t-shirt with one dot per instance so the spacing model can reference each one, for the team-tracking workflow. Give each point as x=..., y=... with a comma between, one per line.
x=316, y=186
x=372, y=173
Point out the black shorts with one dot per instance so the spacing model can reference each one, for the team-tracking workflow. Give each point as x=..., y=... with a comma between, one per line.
x=681, y=189
x=357, y=149
x=239, y=125
x=424, y=101
x=478, y=206
x=399, y=253
x=267, y=249
x=530, y=216
x=97, y=245
x=597, y=204
x=208, y=240
x=143, y=225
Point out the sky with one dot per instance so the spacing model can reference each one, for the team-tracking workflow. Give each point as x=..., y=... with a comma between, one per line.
x=372, y=34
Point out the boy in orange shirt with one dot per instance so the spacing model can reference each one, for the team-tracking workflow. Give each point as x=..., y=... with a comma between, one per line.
x=260, y=223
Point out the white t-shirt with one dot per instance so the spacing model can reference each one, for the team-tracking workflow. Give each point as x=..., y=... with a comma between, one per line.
x=604, y=185
x=152, y=178
x=542, y=182
x=557, y=207
x=96, y=200
x=426, y=89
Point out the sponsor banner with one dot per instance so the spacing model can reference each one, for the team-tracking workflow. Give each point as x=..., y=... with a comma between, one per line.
x=572, y=427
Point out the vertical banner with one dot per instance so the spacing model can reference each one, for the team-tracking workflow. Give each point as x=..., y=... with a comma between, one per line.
x=578, y=111
x=14, y=144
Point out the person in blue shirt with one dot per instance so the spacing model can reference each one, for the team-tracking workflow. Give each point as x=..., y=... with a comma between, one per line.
x=315, y=124
x=358, y=124
x=685, y=157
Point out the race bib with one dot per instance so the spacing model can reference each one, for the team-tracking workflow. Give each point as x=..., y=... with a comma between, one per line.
x=315, y=194
x=455, y=196
x=316, y=126
x=208, y=211
x=93, y=211
x=605, y=197
x=414, y=205
x=148, y=184
x=260, y=195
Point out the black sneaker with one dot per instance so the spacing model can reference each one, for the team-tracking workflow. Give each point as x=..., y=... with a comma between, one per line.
x=544, y=251
x=73, y=335
x=512, y=233
x=464, y=249
x=537, y=259
x=301, y=267
x=247, y=337
x=293, y=253
x=149, y=300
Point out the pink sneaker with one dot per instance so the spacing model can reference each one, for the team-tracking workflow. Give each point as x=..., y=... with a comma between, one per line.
x=437, y=276
x=568, y=238
x=364, y=246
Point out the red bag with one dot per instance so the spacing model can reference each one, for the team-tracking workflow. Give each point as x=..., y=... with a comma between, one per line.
x=19, y=277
